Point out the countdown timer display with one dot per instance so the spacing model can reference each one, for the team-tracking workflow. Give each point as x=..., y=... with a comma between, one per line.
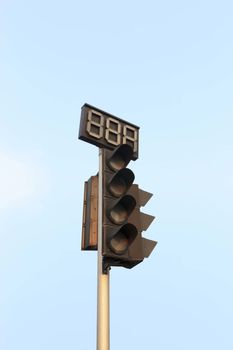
x=107, y=131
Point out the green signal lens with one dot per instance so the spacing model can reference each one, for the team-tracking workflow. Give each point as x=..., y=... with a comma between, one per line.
x=122, y=239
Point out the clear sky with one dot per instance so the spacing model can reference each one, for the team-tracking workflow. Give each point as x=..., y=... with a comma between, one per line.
x=167, y=67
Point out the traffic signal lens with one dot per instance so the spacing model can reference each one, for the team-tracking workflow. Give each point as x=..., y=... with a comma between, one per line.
x=121, y=211
x=120, y=158
x=121, y=182
x=122, y=239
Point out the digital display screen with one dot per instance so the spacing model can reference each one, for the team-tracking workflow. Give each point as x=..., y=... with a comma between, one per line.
x=105, y=130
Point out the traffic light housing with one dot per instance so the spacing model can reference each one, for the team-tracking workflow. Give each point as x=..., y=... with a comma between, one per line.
x=123, y=222
x=90, y=214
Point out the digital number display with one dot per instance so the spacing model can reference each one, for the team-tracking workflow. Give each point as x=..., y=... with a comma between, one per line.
x=105, y=130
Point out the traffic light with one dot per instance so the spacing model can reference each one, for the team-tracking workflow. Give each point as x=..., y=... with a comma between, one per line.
x=123, y=223
x=90, y=214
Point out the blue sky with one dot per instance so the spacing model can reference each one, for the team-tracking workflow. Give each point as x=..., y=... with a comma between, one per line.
x=167, y=67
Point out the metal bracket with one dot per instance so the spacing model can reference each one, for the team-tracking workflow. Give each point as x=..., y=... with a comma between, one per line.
x=105, y=267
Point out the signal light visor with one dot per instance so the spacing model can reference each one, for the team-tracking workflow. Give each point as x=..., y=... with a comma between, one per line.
x=121, y=182
x=120, y=157
x=122, y=239
x=122, y=210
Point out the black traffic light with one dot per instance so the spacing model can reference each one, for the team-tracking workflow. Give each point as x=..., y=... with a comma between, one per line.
x=123, y=244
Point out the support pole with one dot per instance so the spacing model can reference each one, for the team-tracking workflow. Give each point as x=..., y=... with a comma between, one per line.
x=103, y=342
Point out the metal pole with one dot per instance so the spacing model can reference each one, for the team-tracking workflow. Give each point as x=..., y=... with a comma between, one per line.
x=103, y=342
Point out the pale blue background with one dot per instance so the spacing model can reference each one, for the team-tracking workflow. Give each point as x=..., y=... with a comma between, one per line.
x=167, y=67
